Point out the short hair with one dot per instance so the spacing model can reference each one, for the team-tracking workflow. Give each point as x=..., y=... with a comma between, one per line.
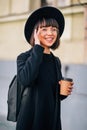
x=47, y=22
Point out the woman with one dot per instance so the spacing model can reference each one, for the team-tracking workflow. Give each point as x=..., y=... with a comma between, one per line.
x=40, y=70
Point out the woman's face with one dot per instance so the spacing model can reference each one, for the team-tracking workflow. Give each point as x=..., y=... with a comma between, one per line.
x=47, y=35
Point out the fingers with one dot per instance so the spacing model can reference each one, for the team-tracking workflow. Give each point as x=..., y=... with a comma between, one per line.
x=36, y=38
x=69, y=90
x=66, y=83
x=35, y=33
x=72, y=83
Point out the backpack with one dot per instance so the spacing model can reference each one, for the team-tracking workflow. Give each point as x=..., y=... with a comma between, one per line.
x=16, y=94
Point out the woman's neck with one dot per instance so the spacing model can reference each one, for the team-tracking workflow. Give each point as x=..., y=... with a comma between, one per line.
x=47, y=50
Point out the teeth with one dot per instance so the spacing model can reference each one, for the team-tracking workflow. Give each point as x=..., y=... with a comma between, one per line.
x=49, y=39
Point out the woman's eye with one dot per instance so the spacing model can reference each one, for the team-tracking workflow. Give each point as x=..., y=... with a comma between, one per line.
x=54, y=29
x=44, y=29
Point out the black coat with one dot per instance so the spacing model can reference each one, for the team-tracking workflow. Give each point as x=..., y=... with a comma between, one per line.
x=28, y=64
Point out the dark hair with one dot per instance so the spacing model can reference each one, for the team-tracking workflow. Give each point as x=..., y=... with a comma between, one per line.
x=47, y=22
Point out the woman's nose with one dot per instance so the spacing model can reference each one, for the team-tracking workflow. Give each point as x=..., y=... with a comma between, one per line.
x=49, y=31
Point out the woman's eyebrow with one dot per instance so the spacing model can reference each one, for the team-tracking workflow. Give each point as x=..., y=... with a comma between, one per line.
x=43, y=26
x=47, y=26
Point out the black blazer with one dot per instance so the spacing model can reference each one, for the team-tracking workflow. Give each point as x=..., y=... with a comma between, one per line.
x=28, y=64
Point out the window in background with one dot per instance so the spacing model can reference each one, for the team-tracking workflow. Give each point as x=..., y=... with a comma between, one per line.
x=62, y=3
x=47, y=2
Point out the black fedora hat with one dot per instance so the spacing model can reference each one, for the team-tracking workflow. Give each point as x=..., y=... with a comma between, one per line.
x=43, y=12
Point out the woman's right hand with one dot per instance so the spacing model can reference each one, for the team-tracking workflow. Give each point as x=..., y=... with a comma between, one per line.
x=36, y=38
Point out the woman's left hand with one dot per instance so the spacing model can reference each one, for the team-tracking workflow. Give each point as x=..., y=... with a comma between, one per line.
x=36, y=38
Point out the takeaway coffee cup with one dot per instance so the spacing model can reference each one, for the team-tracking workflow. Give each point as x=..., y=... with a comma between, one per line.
x=68, y=79
x=66, y=86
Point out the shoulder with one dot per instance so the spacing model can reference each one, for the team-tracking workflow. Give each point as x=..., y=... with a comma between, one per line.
x=24, y=55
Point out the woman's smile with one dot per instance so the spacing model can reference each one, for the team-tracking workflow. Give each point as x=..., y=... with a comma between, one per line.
x=49, y=39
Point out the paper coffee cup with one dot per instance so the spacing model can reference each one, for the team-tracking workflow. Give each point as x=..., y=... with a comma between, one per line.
x=68, y=79
x=65, y=85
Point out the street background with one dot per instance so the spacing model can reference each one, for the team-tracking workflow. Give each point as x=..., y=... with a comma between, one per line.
x=72, y=52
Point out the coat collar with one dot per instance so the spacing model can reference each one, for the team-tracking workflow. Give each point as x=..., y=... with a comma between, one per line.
x=58, y=67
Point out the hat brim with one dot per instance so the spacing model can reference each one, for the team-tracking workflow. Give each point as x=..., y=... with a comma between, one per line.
x=44, y=12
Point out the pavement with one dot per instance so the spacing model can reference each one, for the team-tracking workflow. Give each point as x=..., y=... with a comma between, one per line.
x=6, y=125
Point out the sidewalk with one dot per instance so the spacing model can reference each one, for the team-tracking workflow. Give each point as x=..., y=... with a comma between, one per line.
x=6, y=125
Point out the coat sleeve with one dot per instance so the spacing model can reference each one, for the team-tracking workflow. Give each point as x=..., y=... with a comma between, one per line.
x=62, y=97
x=28, y=65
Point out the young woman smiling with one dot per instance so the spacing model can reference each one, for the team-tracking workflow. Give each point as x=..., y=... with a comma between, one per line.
x=40, y=70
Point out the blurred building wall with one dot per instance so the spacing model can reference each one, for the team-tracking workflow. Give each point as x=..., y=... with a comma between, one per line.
x=13, y=15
